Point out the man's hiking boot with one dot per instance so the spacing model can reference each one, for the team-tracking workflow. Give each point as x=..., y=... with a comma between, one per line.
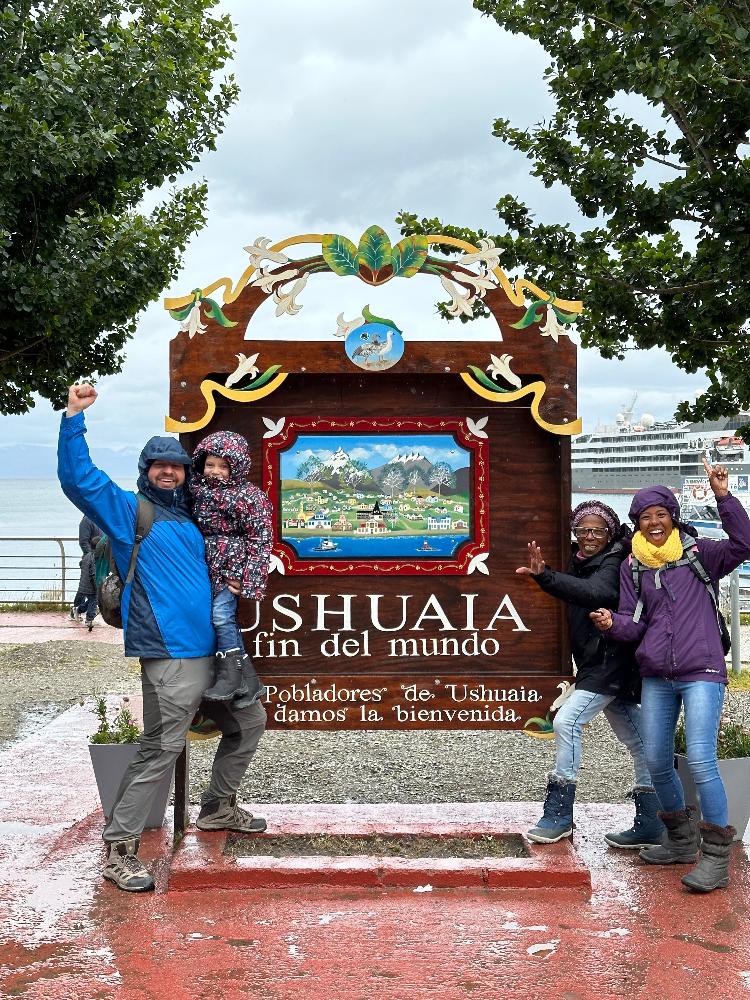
x=125, y=870
x=225, y=814
x=256, y=689
x=557, y=819
x=647, y=829
x=90, y=624
x=228, y=683
x=680, y=846
x=712, y=871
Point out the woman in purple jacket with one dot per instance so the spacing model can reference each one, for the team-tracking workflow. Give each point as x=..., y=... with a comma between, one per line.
x=681, y=660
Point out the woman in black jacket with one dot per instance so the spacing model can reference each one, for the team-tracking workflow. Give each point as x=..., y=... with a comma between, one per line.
x=606, y=675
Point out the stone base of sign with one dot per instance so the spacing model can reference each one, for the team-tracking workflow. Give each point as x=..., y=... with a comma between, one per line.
x=200, y=862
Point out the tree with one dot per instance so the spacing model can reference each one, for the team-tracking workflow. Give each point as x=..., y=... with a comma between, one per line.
x=310, y=470
x=666, y=263
x=441, y=475
x=102, y=101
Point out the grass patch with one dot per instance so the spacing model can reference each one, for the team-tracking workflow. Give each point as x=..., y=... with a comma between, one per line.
x=740, y=681
x=379, y=845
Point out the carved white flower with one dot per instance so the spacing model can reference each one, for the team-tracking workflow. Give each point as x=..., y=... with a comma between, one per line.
x=475, y=426
x=501, y=366
x=480, y=282
x=488, y=255
x=345, y=326
x=565, y=690
x=266, y=281
x=274, y=426
x=259, y=251
x=479, y=562
x=193, y=323
x=245, y=367
x=459, y=303
x=552, y=326
x=285, y=303
x=276, y=565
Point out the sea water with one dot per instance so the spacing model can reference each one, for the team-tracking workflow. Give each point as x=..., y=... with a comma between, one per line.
x=38, y=507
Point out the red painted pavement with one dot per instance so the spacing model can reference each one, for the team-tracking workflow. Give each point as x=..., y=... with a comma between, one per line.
x=65, y=933
x=22, y=627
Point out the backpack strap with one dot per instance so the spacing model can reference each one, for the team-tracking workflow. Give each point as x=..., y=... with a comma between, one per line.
x=144, y=518
x=636, y=570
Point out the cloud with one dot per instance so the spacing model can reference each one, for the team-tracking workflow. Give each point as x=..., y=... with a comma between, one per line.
x=349, y=113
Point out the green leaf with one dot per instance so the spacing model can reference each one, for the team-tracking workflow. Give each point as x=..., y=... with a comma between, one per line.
x=340, y=254
x=486, y=381
x=213, y=309
x=374, y=249
x=372, y=318
x=530, y=316
x=181, y=314
x=565, y=317
x=264, y=377
x=408, y=256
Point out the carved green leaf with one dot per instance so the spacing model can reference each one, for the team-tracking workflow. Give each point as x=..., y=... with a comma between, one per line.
x=181, y=314
x=408, y=256
x=374, y=249
x=213, y=309
x=532, y=315
x=340, y=254
x=372, y=318
x=485, y=380
x=264, y=377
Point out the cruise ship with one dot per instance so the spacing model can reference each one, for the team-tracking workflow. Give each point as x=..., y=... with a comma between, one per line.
x=629, y=454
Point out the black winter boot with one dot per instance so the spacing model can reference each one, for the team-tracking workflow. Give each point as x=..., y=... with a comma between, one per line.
x=557, y=818
x=680, y=846
x=255, y=686
x=647, y=829
x=712, y=871
x=228, y=682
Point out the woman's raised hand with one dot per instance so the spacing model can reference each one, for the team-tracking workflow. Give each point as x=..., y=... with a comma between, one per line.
x=602, y=618
x=718, y=478
x=536, y=563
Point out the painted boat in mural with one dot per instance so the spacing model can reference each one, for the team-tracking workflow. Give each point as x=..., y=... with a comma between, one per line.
x=326, y=545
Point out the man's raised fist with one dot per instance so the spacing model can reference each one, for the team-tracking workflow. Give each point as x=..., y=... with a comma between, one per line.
x=80, y=397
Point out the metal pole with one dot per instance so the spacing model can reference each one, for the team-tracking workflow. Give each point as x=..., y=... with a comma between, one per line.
x=62, y=567
x=734, y=611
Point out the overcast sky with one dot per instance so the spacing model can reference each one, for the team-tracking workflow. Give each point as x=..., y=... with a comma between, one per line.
x=350, y=112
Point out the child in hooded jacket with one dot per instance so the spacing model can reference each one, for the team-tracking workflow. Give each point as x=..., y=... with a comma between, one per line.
x=235, y=519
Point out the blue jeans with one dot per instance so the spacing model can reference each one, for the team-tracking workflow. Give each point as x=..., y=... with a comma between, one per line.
x=85, y=604
x=224, y=618
x=583, y=706
x=660, y=706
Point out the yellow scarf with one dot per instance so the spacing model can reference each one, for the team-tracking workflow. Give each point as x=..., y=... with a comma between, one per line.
x=655, y=556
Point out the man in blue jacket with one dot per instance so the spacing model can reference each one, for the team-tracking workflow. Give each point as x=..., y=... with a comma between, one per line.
x=166, y=612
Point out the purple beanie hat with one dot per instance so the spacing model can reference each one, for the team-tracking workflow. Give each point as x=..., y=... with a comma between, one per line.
x=654, y=496
x=601, y=510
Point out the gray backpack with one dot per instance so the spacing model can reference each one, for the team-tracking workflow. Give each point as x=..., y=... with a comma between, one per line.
x=109, y=583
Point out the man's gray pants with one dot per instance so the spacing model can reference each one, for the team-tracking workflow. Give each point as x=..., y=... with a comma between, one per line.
x=172, y=693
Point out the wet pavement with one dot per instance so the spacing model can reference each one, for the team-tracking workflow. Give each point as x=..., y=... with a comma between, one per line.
x=66, y=933
x=44, y=626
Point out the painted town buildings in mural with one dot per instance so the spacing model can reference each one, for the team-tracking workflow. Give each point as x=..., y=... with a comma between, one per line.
x=376, y=496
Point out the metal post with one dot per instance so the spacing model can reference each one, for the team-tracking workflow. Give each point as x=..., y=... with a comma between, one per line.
x=734, y=611
x=62, y=566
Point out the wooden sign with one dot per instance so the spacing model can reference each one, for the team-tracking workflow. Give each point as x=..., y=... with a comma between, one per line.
x=406, y=477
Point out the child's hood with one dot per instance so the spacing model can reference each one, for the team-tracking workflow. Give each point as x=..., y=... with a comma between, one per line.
x=230, y=446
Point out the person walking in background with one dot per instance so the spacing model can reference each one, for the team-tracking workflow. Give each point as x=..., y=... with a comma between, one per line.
x=235, y=519
x=671, y=611
x=606, y=678
x=84, y=603
x=88, y=535
x=166, y=612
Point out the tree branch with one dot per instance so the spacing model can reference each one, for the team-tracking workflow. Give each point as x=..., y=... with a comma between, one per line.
x=21, y=350
x=682, y=124
x=667, y=163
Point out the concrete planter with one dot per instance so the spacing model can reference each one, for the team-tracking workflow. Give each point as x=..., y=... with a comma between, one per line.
x=110, y=762
x=735, y=773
